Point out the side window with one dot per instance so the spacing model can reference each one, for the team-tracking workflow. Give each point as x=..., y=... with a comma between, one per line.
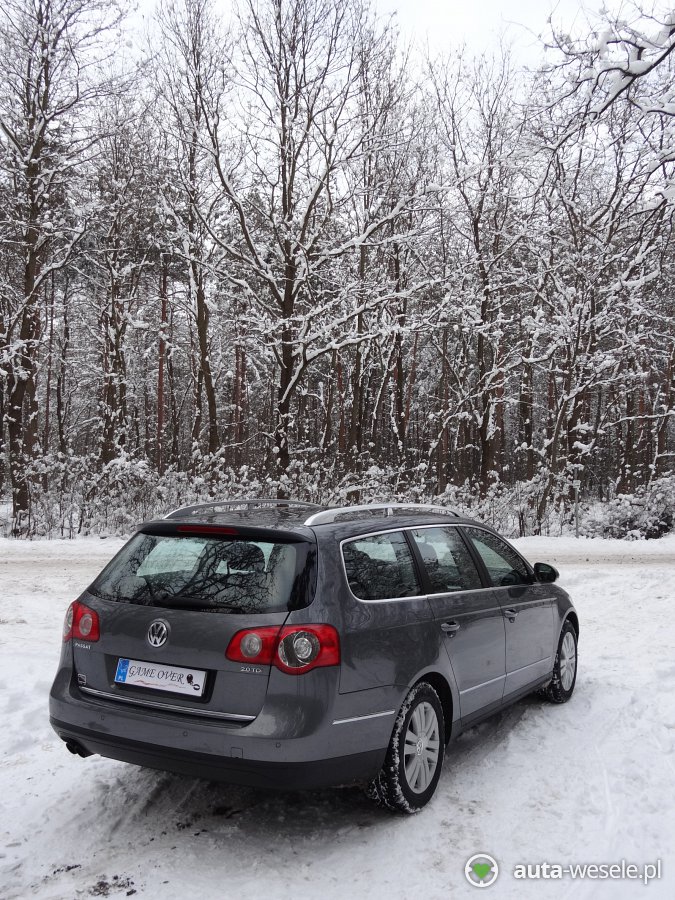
x=504, y=566
x=380, y=567
x=447, y=560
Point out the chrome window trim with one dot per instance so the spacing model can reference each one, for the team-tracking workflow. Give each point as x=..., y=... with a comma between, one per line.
x=368, y=534
x=190, y=711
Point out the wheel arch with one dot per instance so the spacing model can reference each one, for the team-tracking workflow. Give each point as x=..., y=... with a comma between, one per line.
x=573, y=618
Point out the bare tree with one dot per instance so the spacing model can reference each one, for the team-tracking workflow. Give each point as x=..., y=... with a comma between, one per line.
x=626, y=58
x=189, y=70
x=298, y=71
x=49, y=76
x=481, y=131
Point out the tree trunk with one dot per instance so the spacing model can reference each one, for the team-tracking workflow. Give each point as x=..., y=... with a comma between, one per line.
x=159, y=441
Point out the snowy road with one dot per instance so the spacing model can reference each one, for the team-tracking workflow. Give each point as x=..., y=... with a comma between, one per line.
x=590, y=781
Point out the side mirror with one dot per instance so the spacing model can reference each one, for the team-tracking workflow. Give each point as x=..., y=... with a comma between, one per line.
x=546, y=573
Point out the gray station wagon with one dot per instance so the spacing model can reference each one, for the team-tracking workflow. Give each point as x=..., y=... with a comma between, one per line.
x=279, y=644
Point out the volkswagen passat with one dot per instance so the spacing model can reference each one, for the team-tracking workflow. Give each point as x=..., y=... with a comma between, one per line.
x=277, y=644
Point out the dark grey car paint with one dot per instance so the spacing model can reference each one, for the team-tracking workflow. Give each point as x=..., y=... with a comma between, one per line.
x=328, y=725
x=475, y=651
x=530, y=633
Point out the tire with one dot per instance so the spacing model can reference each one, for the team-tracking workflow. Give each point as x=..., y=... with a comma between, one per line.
x=414, y=759
x=561, y=686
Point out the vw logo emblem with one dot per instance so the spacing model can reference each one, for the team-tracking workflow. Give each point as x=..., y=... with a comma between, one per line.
x=158, y=633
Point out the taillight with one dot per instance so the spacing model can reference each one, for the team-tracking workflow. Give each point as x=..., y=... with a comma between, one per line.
x=254, y=645
x=81, y=623
x=294, y=649
x=68, y=623
x=307, y=647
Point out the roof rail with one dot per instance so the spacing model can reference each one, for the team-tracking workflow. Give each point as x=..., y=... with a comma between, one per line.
x=215, y=505
x=330, y=515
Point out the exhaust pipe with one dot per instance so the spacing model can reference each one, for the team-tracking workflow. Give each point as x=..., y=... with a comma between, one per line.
x=77, y=749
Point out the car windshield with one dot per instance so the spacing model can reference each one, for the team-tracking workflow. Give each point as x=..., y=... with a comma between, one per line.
x=209, y=573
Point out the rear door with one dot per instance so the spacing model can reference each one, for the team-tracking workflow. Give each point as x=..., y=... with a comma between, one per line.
x=527, y=607
x=467, y=615
x=169, y=606
x=384, y=631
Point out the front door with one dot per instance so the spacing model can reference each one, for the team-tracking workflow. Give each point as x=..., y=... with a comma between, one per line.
x=527, y=607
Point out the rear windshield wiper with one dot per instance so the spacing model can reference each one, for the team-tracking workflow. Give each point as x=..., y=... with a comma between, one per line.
x=184, y=601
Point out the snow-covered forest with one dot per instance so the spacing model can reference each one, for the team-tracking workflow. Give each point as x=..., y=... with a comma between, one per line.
x=282, y=253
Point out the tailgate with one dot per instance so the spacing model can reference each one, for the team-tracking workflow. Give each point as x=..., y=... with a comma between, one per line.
x=188, y=671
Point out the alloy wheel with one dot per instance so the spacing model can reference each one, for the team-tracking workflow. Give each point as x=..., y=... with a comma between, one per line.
x=568, y=661
x=422, y=747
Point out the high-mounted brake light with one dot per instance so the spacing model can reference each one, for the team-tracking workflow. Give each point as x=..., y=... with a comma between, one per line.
x=81, y=623
x=205, y=529
x=294, y=649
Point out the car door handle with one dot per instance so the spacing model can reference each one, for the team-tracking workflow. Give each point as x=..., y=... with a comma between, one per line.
x=511, y=614
x=450, y=628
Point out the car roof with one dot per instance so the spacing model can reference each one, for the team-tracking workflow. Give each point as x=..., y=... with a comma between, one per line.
x=345, y=528
x=308, y=519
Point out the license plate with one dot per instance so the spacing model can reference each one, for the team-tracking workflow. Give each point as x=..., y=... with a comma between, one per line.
x=160, y=677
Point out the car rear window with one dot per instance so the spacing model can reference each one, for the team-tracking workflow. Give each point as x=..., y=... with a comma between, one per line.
x=215, y=574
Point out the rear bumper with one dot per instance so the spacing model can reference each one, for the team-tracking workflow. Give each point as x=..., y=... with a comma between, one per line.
x=295, y=741
x=233, y=770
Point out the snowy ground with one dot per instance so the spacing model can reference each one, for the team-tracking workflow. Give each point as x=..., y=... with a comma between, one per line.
x=590, y=781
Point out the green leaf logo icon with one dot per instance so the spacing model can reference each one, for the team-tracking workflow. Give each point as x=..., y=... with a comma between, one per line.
x=482, y=870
